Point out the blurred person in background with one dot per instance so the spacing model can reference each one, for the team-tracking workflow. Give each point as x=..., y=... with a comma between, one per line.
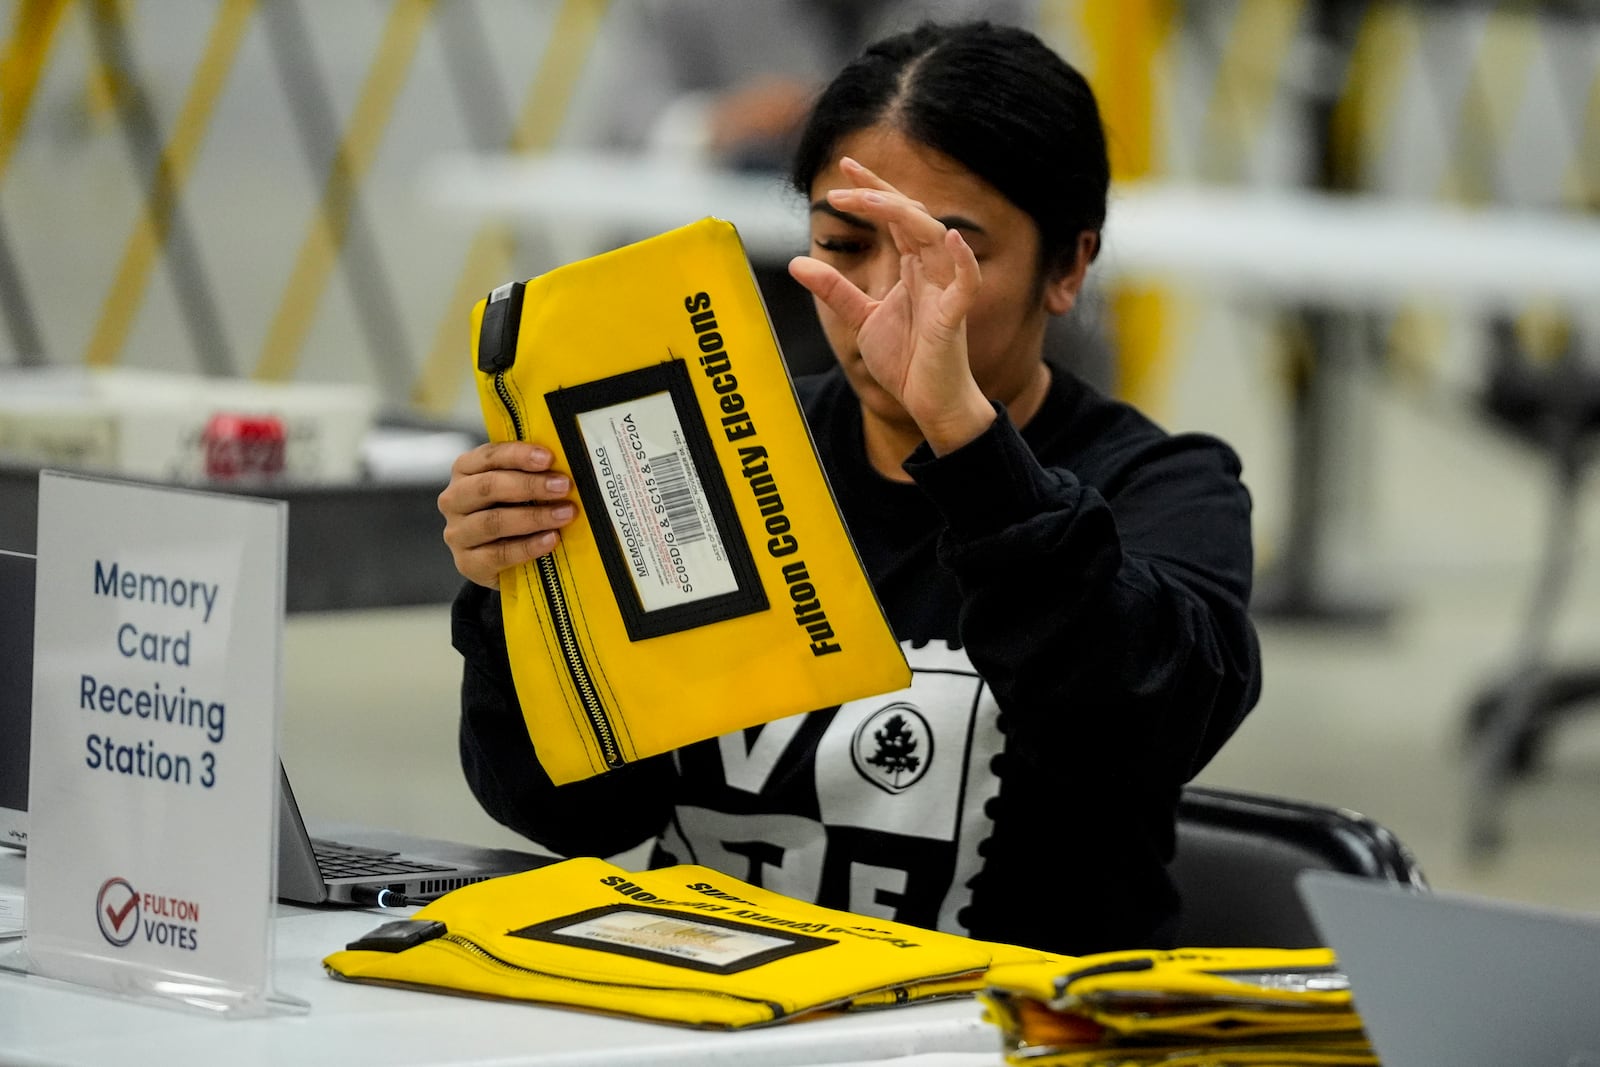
x=714, y=83
x=731, y=84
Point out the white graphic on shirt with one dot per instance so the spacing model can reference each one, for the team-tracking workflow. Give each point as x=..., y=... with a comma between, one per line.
x=893, y=747
x=945, y=692
x=749, y=769
x=745, y=846
x=918, y=844
x=876, y=890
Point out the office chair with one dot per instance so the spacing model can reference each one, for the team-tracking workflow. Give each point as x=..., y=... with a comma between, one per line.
x=1555, y=406
x=1238, y=855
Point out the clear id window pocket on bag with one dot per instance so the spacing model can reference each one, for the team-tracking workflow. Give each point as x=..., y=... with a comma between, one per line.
x=677, y=557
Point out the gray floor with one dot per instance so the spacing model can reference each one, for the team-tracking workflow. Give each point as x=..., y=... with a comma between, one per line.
x=1445, y=524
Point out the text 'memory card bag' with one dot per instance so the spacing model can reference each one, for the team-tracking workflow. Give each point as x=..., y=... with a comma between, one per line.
x=708, y=583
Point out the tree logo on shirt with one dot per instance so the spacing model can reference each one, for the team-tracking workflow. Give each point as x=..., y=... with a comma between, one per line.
x=893, y=747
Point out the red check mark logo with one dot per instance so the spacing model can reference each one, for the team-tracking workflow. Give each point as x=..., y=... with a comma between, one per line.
x=120, y=915
x=112, y=917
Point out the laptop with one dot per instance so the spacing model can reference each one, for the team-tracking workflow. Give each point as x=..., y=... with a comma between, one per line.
x=379, y=867
x=1442, y=978
x=370, y=867
x=16, y=693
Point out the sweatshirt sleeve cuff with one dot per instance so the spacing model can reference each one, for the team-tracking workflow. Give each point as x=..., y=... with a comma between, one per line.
x=992, y=482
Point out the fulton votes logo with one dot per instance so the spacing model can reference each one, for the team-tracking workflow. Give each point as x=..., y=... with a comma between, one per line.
x=117, y=909
x=124, y=913
x=893, y=747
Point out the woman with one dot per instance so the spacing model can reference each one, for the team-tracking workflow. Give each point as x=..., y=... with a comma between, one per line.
x=1069, y=582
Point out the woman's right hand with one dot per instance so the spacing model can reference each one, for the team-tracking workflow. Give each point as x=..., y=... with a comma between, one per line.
x=503, y=507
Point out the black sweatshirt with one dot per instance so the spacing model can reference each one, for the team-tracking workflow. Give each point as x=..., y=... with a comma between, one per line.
x=1072, y=599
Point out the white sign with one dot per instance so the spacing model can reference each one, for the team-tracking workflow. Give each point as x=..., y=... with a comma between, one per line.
x=153, y=777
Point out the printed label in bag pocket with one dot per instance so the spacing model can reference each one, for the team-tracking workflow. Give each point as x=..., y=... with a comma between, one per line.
x=655, y=502
x=700, y=943
x=676, y=556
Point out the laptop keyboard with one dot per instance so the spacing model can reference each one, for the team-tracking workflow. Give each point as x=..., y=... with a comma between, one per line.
x=341, y=861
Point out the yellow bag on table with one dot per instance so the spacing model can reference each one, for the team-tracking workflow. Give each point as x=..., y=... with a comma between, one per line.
x=708, y=583
x=682, y=944
x=1184, y=1008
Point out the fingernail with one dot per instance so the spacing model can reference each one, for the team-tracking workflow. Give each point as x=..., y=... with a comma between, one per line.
x=557, y=483
x=538, y=456
x=562, y=512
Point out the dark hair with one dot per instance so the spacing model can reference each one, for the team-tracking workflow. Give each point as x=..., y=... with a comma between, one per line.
x=995, y=99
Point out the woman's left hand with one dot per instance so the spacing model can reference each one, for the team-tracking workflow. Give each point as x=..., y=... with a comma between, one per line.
x=913, y=340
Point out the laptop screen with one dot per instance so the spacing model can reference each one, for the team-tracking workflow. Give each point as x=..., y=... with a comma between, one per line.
x=1451, y=979
x=16, y=693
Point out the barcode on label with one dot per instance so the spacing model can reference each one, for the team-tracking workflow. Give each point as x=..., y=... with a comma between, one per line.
x=677, y=496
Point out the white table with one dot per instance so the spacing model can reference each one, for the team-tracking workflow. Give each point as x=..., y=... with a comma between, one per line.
x=1291, y=245
x=589, y=195
x=46, y=1022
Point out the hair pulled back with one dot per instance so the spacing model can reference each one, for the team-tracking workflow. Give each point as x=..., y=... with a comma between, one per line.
x=995, y=99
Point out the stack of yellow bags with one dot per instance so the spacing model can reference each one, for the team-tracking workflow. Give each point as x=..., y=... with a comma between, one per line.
x=695, y=947
x=1184, y=1008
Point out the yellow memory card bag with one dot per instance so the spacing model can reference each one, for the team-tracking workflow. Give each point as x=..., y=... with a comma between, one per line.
x=708, y=583
x=1198, y=1007
x=682, y=944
